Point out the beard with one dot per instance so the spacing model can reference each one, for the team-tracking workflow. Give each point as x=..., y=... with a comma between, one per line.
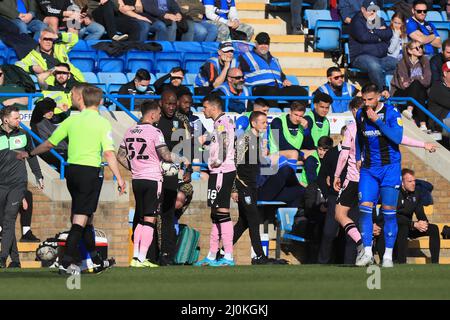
x=239, y=85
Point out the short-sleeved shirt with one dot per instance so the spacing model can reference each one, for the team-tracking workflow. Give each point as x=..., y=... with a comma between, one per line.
x=141, y=143
x=427, y=28
x=89, y=136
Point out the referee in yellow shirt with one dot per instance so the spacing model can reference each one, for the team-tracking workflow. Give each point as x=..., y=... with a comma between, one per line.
x=89, y=136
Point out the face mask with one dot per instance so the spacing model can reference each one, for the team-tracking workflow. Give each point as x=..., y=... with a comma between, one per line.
x=141, y=88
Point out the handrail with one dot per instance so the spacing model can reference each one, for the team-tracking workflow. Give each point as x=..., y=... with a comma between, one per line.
x=52, y=151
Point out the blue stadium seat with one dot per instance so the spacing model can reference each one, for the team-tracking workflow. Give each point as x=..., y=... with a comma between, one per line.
x=114, y=87
x=106, y=63
x=85, y=64
x=434, y=16
x=293, y=79
x=327, y=35
x=388, y=80
x=210, y=47
x=442, y=28
x=112, y=77
x=102, y=86
x=311, y=16
x=444, y=16
x=165, y=61
x=275, y=110
x=190, y=78
x=193, y=61
x=390, y=13
x=351, y=69
x=81, y=45
x=385, y=16
x=140, y=59
x=285, y=220
x=185, y=46
x=90, y=77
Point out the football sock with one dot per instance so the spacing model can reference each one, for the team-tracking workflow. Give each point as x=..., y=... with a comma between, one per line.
x=25, y=230
x=214, y=239
x=353, y=233
x=146, y=239
x=74, y=237
x=390, y=231
x=227, y=238
x=387, y=254
x=366, y=226
x=137, y=239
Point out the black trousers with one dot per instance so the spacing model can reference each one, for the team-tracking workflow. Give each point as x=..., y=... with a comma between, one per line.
x=417, y=91
x=330, y=251
x=25, y=215
x=405, y=232
x=249, y=217
x=276, y=91
x=104, y=14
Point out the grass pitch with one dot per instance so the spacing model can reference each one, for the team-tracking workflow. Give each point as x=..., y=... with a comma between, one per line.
x=241, y=282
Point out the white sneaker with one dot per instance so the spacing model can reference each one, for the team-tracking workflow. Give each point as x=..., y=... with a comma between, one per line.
x=364, y=260
x=407, y=113
x=73, y=270
x=424, y=128
x=120, y=37
x=387, y=263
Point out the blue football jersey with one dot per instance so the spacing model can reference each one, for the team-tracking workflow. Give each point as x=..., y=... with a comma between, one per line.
x=378, y=142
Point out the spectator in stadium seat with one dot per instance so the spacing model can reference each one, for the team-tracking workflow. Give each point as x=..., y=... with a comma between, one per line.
x=337, y=87
x=5, y=87
x=423, y=31
x=369, y=46
x=43, y=124
x=348, y=9
x=234, y=87
x=199, y=29
x=242, y=123
x=223, y=14
x=22, y=13
x=412, y=78
x=439, y=98
x=214, y=71
x=166, y=11
x=399, y=36
x=296, y=13
x=409, y=203
x=438, y=60
x=317, y=123
x=263, y=72
x=176, y=76
x=49, y=53
x=138, y=86
x=103, y=13
x=137, y=23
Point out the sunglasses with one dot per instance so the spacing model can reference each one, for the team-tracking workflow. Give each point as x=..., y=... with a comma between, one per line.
x=417, y=48
x=237, y=77
x=62, y=72
x=338, y=77
x=48, y=39
x=422, y=11
x=176, y=78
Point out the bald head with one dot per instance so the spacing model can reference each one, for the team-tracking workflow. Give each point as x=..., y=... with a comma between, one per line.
x=235, y=79
x=168, y=103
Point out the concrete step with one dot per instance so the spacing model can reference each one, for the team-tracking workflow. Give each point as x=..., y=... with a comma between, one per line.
x=27, y=246
x=426, y=260
x=286, y=43
x=303, y=59
x=271, y=26
x=422, y=243
x=30, y=264
x=250, y=1
x=254, y=10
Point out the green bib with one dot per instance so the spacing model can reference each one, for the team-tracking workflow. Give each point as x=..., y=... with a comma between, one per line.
x=294, y=140
x=13, y=143
x=316, y=132
x=303, y=179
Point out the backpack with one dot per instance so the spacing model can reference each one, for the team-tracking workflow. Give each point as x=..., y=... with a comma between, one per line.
x=18, y=76
x=187, y=249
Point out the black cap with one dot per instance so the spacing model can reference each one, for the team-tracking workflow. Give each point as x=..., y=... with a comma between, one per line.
x=262, y=38
x=226, y=46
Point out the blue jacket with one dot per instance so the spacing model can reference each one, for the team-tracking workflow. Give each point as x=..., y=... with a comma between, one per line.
x=234, y=105
x=152, y=9
x=362, y=41
x=348, y=8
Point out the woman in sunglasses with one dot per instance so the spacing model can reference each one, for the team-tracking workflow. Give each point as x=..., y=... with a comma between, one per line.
x=412, y=79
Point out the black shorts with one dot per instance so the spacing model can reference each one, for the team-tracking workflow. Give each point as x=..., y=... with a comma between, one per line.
x=220, y=198
x=84, y=184
x=146, y=197
x=348, y=197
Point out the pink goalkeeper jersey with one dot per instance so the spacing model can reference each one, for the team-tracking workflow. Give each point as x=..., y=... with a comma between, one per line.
x=347, y=154
x=141, y=142
x=222, y=126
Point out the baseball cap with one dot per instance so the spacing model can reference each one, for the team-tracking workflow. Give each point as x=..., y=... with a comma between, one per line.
x=446, y=66
x=262, y=38
x=226, y=46
x=369, y=3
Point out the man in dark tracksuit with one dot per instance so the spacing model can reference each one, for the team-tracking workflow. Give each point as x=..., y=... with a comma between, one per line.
x=409, y=202
x=249, y=157
x=169, y=124
x=13, y=182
